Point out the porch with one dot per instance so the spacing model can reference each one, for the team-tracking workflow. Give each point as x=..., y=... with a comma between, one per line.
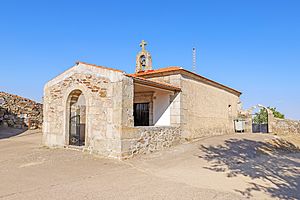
x=155, y=103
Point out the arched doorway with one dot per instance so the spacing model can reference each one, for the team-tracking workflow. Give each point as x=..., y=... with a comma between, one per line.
x=77, y=118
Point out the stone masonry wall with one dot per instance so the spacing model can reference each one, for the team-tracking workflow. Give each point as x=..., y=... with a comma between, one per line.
x=105, y=116
x=206, y=110
x=151, y=139
x=97, y=92
x=19, y=112
x=202, y=110
x=285, y=126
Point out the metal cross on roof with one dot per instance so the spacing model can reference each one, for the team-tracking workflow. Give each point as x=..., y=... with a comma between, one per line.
x=143, y=44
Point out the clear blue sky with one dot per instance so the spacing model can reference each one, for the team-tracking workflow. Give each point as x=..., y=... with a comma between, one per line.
x=253, y=46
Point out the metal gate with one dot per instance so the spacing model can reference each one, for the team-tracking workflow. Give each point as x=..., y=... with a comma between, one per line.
x=259, y=125
x=260, y=128
x=74, y=136
x=141, y=114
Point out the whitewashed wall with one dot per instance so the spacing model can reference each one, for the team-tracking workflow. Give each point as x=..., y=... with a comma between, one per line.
x=161, y=109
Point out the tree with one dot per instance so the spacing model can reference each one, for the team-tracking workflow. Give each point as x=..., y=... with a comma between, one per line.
x=276, y=113
x=262, y=116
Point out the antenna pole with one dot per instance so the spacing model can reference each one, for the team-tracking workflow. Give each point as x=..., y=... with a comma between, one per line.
x=194, y=59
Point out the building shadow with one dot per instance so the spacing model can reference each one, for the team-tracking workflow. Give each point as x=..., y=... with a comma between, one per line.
x=7, y=132
x=277, y=163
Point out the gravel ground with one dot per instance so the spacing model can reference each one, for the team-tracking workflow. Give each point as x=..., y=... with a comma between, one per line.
x=30, y=171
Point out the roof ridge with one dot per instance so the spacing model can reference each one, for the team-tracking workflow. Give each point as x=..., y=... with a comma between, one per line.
x=98, y=66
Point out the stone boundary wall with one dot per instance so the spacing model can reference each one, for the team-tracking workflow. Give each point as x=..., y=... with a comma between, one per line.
x=153, y=139
x=20, y=112
x=285, y=126
x=207, y=132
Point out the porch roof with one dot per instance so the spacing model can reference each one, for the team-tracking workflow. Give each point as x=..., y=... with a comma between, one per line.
x=152, y=83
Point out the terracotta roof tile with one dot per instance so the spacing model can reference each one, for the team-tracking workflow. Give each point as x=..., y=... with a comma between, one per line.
x=155, y=83
x=158, y=72
x=166, y=69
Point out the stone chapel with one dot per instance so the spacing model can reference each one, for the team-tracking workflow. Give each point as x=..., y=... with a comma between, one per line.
x=115, y=114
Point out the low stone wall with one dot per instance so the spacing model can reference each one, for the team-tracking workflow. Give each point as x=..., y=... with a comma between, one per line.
x=285, y=126
x=19, y=112
x=153, y=139
x=193, y=134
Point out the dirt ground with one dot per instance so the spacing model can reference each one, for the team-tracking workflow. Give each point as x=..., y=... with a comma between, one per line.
x=241, y=166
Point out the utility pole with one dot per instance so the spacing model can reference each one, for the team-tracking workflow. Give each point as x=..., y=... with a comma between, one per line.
x=194, y=60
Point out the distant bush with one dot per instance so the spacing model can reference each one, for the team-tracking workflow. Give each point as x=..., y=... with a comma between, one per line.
x=262, y=116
